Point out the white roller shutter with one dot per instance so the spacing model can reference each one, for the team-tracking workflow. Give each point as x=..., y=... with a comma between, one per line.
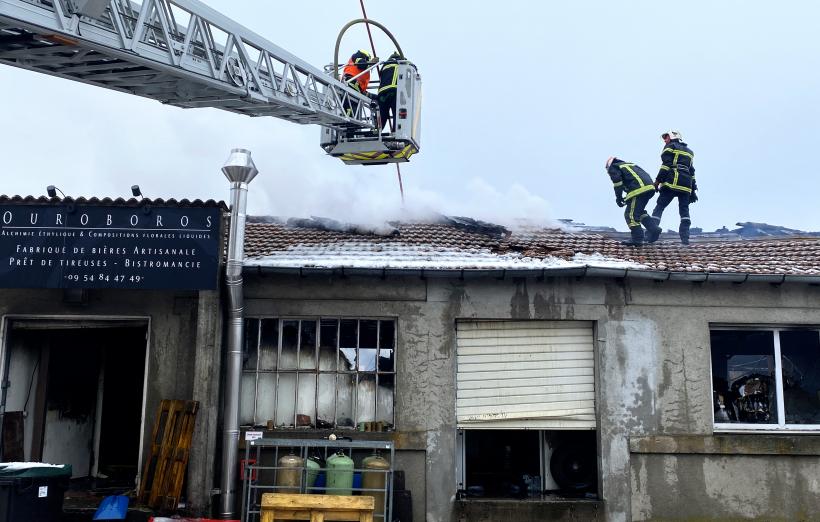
x=525, y=374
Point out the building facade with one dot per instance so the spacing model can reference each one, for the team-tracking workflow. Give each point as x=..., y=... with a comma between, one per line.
x=688, y=378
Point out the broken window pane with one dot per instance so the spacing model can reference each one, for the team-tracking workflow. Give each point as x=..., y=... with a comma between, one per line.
x=347, y=359
x=348, y=341
x=743, y=375
x=265, y=398
x=386, y=363
x=269, y=344
x=367, y=360
x=328, y=344
x=348, y=335
x=247, y=399
x=250, y=349
x=800, y=360
x=290, y=341
x=344, y=400
x=306, y=403
x=368, y=334
x=327, y=401
x=387, y=334
x=307, y=346
x=286, y=402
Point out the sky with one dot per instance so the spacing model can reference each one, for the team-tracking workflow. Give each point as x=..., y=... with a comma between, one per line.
x=523, y=103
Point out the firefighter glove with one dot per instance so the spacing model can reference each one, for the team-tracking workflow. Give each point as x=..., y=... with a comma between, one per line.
x=620, y=201
x=694, y=197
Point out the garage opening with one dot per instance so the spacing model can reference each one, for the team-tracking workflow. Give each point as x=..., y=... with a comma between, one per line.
x=75, y=396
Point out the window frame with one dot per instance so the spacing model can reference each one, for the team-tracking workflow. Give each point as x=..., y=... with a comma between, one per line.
x=781, y=426
x=317, y=371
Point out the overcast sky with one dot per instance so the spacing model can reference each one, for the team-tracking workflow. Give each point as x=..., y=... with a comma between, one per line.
x=523, y=103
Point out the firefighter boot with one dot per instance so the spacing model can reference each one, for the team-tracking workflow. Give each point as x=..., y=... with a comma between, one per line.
x=637, y=237
x=654, y=229
x=683, y=230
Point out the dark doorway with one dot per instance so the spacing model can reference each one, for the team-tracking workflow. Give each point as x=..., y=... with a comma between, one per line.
x=79, y=387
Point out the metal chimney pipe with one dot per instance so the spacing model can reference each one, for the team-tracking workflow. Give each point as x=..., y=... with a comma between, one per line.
x=240, y=170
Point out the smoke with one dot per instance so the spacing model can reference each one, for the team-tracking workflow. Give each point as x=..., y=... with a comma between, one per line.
x=366, y=197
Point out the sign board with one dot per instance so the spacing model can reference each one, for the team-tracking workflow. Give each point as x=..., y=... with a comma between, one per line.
x=253, y=435
x=87, y=246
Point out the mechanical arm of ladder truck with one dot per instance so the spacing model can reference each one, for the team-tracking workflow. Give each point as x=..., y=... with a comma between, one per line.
x=184, y=53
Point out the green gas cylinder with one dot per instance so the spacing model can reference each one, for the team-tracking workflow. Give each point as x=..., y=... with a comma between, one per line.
x=313, y=466
x=339, y=474
x=288, y=476
x=374, y=476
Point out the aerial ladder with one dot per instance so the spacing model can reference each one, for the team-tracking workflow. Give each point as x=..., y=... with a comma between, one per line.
x=184, y=53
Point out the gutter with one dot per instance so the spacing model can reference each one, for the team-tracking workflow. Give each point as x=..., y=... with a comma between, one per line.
x=541, y=273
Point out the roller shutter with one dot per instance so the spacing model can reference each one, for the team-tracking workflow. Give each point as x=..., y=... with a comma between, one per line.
x=525, y=374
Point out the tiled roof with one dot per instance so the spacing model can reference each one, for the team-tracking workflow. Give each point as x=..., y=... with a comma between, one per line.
x=451, y=246
x=115, y=202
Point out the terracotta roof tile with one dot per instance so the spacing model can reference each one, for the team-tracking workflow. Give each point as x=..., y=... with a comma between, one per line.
x=453, y=247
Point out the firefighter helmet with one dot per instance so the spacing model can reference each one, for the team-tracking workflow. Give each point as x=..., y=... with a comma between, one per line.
x=672, y=135
x=609, y=162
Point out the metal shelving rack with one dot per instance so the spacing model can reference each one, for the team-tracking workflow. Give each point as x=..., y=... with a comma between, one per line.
x=259, y=478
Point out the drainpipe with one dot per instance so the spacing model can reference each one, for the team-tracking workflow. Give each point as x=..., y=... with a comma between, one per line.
x=240, y=170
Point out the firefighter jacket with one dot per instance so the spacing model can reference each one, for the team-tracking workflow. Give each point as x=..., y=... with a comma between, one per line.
x=629, y=178
x=351, y=70
x=389, y=76
x=677, y=171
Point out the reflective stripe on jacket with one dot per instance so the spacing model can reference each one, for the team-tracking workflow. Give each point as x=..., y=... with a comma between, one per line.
x=350, y=71
x=677, y=171
x=629, y=178
x=389, y=76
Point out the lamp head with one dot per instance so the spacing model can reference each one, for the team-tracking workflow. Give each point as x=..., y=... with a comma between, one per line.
x=135, y=190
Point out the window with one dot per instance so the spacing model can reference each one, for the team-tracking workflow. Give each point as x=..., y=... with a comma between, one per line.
x=766, y=378
x=502, y=463
x=321, y=373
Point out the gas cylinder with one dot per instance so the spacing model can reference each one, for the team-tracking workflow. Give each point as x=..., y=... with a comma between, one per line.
x=374, y=476
x=313, y=466
x=339, y=474
x=288, y=476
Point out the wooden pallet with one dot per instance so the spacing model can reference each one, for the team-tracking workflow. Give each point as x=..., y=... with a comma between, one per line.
x=164, y=470
x=316, y=508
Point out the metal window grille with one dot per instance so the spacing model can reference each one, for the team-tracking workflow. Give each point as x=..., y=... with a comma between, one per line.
x=319, y=372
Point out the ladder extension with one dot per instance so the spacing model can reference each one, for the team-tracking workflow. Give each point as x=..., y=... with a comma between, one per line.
x=181, y=53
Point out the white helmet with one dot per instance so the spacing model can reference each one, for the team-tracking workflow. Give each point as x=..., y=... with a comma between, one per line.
x=609, y=162
x=672, y=135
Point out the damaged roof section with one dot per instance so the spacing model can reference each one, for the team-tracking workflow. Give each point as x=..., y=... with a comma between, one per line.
x=463, y=244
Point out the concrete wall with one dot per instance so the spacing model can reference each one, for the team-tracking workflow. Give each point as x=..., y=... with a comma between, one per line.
x=653, y=366
x=183, y=355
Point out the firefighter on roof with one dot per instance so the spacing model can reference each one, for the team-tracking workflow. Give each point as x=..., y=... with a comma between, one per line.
x=636, y=184
x=676, y=179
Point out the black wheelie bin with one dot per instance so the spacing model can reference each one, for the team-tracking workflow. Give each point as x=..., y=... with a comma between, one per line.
x=32, y=492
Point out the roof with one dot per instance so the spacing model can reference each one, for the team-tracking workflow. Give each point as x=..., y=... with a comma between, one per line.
x=114, y=202
x=466, y=245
